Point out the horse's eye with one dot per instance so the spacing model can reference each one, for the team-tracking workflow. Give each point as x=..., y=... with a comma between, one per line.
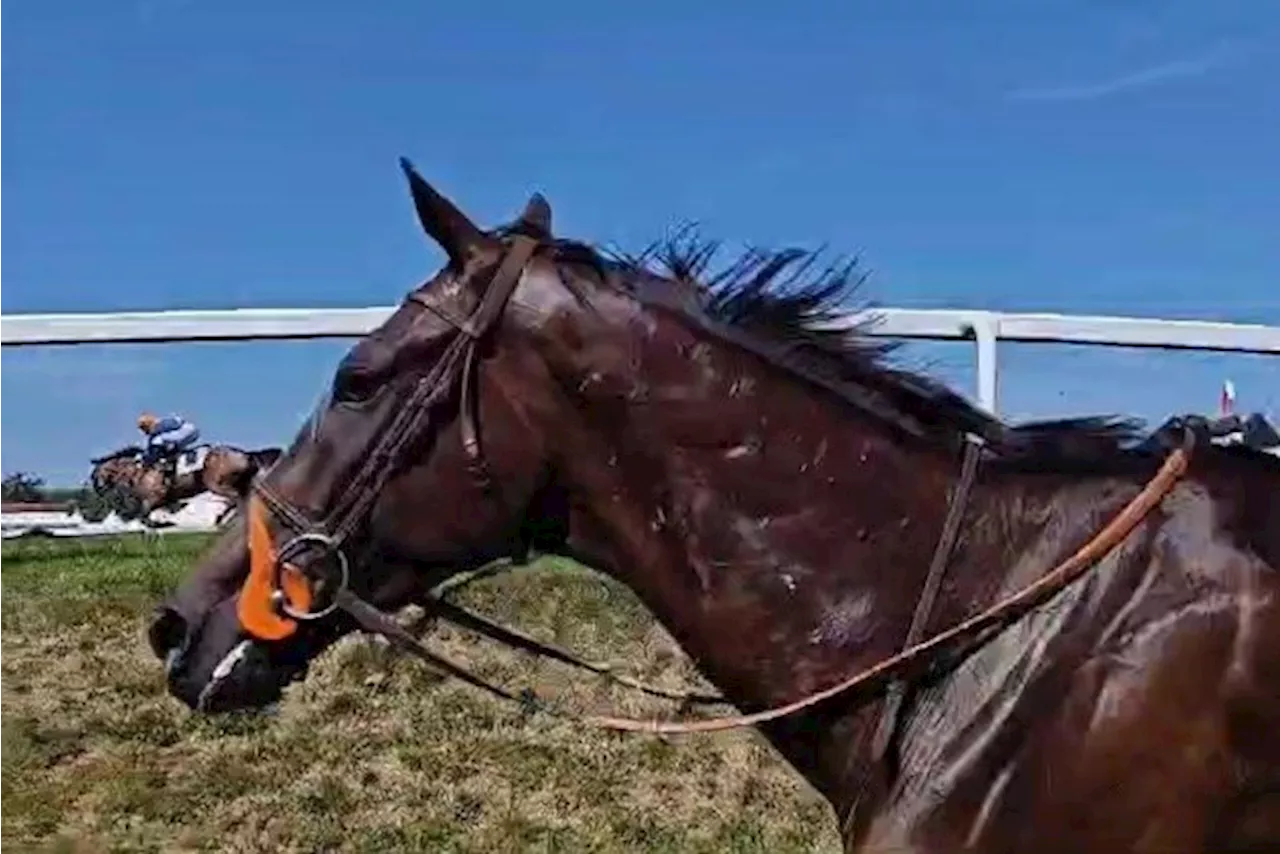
x=353, y=385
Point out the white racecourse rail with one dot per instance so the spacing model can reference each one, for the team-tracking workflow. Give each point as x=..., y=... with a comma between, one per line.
x=984, y=328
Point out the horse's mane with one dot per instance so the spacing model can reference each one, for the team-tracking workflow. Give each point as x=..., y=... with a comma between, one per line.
x=795, y=308
x=126, y=451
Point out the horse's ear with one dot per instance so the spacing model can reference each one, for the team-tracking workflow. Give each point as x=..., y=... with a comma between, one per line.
x=536, y=216
x=441, y=219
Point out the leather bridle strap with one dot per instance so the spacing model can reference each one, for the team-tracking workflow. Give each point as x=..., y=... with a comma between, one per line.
x=462, y=353
x=439, y=607
x=501, y=287
x=959, y=502
x=492, y=303
x=460, y=356
x=373, y=620
x=890, y=713
x=975, y=627
x=470, y=620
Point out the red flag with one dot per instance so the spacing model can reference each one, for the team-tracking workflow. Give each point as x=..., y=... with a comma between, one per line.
x=1227, y=403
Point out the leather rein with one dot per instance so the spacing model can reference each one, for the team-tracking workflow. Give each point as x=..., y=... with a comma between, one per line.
x=459, y=365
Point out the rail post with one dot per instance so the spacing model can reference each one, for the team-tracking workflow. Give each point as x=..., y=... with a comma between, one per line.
x=984, y=328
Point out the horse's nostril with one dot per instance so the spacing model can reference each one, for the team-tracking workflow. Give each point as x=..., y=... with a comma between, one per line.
x=167, y=631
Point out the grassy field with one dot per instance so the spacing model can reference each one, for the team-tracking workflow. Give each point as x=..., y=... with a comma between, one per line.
x=372, y=753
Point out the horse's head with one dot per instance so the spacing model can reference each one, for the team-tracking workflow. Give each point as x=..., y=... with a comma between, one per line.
x=228, y=471
x=429, y=457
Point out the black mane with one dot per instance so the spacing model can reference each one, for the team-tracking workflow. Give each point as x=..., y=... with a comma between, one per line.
x=795, y=308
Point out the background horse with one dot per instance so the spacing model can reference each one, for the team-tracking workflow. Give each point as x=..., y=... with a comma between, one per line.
x=133, y=490
x=796, y=511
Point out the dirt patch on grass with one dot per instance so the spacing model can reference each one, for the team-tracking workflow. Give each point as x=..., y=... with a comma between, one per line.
x=372, y=753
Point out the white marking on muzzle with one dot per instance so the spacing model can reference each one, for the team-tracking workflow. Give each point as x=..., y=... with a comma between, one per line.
x=171, y=660
x=222, y=671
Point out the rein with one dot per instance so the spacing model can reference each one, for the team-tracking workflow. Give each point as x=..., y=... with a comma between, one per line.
x=893, y=667
x=283, y=599
x=276, y=615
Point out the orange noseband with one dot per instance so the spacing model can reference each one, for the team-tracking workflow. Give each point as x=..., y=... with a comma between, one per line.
x=258, y=613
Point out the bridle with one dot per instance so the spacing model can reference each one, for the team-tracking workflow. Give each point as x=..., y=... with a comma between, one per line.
x=458, y=366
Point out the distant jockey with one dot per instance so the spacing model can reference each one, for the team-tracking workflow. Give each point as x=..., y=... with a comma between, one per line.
x=166, y=437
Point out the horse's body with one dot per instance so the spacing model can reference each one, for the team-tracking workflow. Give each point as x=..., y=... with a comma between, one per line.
x=1128, y=713
x=775, y=493
x=134, y=490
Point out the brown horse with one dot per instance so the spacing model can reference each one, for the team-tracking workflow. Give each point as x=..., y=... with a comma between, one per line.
x=133, y=490
x=796, y=511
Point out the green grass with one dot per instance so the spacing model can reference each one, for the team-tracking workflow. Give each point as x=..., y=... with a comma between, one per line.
x=372, y=753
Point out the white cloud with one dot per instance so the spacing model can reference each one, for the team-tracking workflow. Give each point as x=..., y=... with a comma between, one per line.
x=1144, y=78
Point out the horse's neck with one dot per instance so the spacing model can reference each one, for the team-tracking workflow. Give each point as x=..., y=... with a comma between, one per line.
x=781, y=540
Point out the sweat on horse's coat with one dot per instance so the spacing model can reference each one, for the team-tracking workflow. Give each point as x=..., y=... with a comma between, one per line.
x=601, y=401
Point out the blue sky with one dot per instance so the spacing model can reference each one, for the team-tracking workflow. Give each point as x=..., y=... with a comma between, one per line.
x=1099, y=157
